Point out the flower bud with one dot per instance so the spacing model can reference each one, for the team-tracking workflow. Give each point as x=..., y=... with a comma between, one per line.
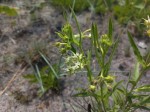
x=109, y=79
x=92, y=87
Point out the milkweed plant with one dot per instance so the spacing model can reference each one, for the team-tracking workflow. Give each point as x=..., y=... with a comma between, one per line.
x=107, y=94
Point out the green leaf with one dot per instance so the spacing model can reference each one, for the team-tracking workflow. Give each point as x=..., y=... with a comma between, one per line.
x=147, y=60
x=136, y=50
x=94, y=33
x=73, y=49
x=53, y=70
x=40, y=79
x=118, y=97
x=31, y=78
x=145, y=88
x=116, y=85
x=82, y=94
x=136, y=73
x=145, y=100
x=141, y=107
x=79, y=30
x=110, y=31
x=89, y=57
x=143, y=104
x=60, y=35
x=139, y=96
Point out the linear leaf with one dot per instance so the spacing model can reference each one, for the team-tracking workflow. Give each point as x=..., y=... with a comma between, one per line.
x=145, y=100
x=110, y=29
x=53, y=70
x=40, y=79
x=94, y=33
x=141, y=107
x=136, y=50
x=145, y=88
x=136, y=74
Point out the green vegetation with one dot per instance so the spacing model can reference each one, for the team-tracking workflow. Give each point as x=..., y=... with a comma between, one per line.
x=127, y=11
x=106, y=93
x=79, y=5
x=98, y=6
x=45, y=74
x=45, y=77
x=8, y=10
x=124, y=11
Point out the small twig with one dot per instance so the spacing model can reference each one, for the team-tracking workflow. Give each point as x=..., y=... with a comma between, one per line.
x=19, y=72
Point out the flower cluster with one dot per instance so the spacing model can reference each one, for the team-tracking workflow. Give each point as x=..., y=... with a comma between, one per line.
x=74, y=62
x=147, y=24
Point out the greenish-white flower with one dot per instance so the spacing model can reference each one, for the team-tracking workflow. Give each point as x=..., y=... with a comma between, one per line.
x=74, y=63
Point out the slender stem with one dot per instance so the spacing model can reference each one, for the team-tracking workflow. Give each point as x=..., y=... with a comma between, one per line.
x=72, y=8
x=80, y=33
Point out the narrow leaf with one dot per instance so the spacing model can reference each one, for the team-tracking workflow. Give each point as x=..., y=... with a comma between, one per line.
x=145, y=100
x=136, y=106
x=145, y=88
x=136, y=73
x=96, y=44
x=53, y=70
x=40, y=79
x=78, y=26
x=136, y=50
x=116, y=85
x=110, y=29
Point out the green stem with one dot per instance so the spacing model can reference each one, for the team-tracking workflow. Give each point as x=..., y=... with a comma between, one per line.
x=79, y=30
